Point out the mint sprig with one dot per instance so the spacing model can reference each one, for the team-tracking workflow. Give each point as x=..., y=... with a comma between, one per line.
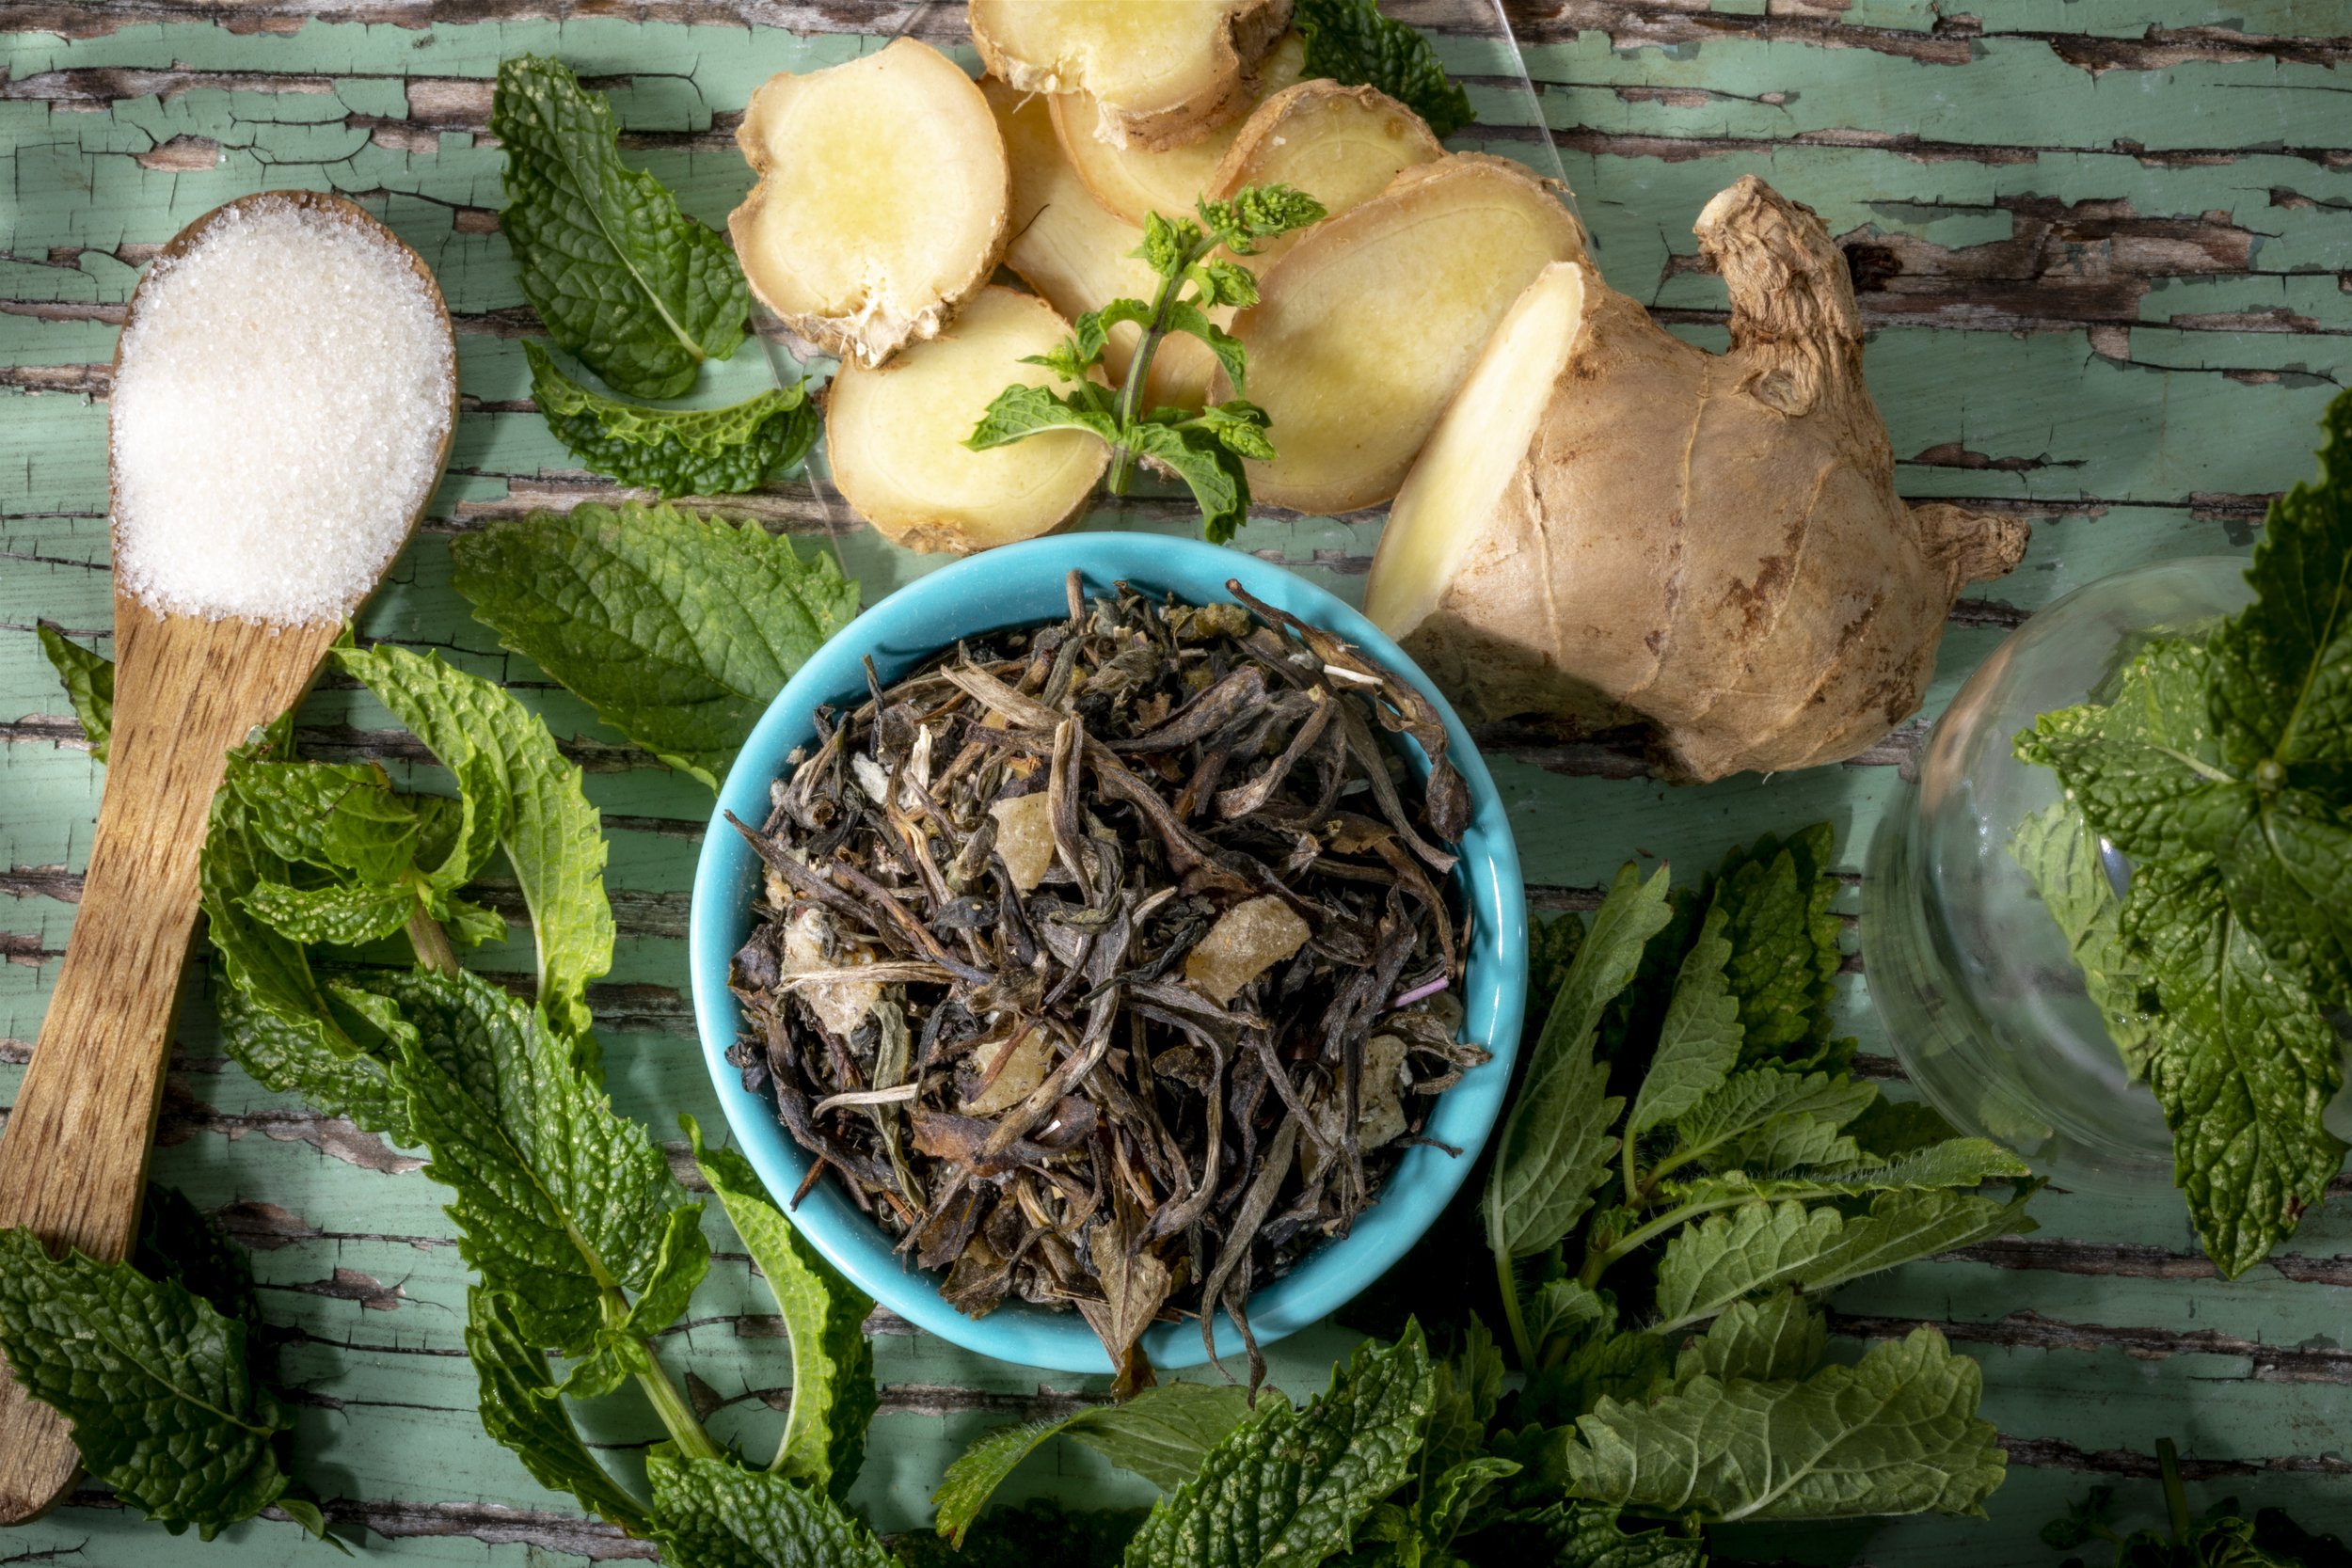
x=2223, y=768
x=1205, y=449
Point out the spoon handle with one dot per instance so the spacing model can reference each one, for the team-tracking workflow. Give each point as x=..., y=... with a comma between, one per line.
x=73, y=1156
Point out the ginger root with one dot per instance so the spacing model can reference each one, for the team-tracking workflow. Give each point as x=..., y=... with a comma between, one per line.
x=1610, y=525
x=1161, y=74
x=882, y=201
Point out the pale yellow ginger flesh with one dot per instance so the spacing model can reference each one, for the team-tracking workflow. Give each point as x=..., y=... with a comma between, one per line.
x=1366, y=328
x=1133, y=180
x=1610, y=525
x=896, y=434
x=1340, y=144
x=1162, y=72
x=1247, y=940
x=1010, y=1072
x=1079, y=255
x=1025, y=838
x=882, y=204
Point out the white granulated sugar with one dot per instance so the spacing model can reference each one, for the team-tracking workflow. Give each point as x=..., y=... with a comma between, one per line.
x=279, y=406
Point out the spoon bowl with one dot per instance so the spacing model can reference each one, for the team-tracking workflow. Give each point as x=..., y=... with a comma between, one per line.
x=187, y=689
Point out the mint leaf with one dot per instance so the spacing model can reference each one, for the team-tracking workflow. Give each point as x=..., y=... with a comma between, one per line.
x=712, y=1513
x=1555, y=1148
x=2146, y=769
x=1700, y=1040
x=561, y=1204
x=1760, y=1246
x=275, y=1020
x=1259, y=212
x=1552, y=945
x=1587, y=1535
x=1957, y=1162
x=89, y=686
x=341, y=817
x=677, y=451
x=1779, y=1338
x=621, y=1346
x=2060, y=855
x=1775, y=896
x=1212, y=470
x=179, y=1245
x=2242, y=1061
x=1162, y=1434
x=1351, y=42
x=1021, y=411
x=1187, y=317
x=678, y=629
x=2282, y=667
x=640, y=292
x=833, y=1398
x=521, y=1409
x=154, y=1380
x=520, y=787
x=1736, y=1116
x=347, y=917
x=1899, y=1434
x=1287, y=1488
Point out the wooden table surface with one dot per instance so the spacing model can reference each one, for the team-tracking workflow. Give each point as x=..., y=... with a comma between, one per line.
x=2109, y=270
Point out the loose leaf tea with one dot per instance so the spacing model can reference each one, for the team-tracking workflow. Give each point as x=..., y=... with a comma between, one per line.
x=1111, y=963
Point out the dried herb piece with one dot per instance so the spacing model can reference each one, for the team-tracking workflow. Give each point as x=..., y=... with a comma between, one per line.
x=1109, y=964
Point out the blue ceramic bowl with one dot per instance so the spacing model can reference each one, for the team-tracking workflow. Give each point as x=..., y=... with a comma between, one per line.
x=1021, y=585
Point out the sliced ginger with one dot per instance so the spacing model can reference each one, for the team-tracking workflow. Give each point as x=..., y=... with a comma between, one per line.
x=1079, y=254
x=1367, y=326
x=1340, y=144
x=1133, y=180
x=1610, y=525
x=896, y=434
x=881, y=202
x=1162, y=72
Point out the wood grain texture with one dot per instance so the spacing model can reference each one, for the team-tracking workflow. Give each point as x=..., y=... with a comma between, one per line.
x=73, y=1165
x=2106, y=266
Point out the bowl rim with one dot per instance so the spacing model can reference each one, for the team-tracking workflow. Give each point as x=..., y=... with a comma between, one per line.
x=972, y=597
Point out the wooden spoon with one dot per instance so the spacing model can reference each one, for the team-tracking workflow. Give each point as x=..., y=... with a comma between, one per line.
x=73, y=1160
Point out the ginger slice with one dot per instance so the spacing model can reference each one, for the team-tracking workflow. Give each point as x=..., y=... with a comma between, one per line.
x=882, y=199
x=1367, y=326
x=1133, y=180
x=1340, y=144
x=1079, y=254
x=1162, y=72
x=896, y=434
x=1611, y=524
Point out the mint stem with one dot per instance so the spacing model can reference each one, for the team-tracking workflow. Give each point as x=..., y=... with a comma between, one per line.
x=1512, y=1316
x=677, y=1417
x=2175, y=1494
x=425, y=935
x=1140, y=367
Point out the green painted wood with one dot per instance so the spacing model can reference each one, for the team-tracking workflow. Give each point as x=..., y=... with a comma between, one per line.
x=2108, y=267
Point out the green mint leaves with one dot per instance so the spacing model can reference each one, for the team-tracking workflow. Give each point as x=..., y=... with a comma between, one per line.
x=1350, y=41
x=2223, y=768
x=1162, y=1434
x=1288, y=1487
x=155, y=1374
x=1895, y=1435
x=678, y=629
x=640, y=292
x=89, y=686
x=1205, y=448
x=674, y=451
x=833, y=1362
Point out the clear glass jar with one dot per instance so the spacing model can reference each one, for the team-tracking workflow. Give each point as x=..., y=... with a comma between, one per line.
x=1986, y=1008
